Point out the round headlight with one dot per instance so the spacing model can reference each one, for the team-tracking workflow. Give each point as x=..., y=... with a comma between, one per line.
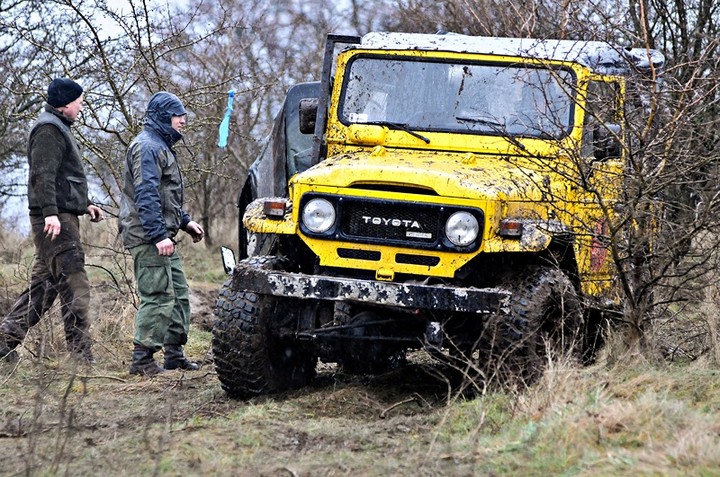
x=462, y=228
x=318, y=215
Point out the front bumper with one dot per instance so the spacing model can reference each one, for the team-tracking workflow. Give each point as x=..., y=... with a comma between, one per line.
x=405, y=295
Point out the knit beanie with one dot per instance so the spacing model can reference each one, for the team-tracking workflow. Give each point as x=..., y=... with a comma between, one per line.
x=63, y=91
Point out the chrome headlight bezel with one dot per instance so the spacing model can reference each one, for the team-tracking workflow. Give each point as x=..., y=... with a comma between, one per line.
x=318, y=215
x=462, y=228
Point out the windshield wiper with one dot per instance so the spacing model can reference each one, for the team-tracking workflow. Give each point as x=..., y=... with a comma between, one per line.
x=489, y=122
x=496, y=127
x=400, y=127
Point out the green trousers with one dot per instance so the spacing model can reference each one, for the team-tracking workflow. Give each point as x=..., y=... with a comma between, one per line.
x=163, y=317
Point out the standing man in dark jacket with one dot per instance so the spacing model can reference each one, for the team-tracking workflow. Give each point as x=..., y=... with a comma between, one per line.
x=57, y=195
x=151, y=214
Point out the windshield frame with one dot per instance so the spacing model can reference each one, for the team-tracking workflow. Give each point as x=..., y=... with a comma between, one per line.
x=564, y=80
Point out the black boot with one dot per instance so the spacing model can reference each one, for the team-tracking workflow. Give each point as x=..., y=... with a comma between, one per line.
x=85, y=358
x=7, y=350
x=143, y=362
x=82, y=352
x=175, y=359
x=8, y=355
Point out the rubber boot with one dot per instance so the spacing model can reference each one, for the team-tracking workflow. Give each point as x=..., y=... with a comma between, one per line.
x=175, y=359
x=8, y=355
x=82, y=352
x=84, y=357
x=143, y=362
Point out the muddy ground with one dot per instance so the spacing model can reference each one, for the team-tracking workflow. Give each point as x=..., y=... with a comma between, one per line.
x=58, y=418
x=61, y=418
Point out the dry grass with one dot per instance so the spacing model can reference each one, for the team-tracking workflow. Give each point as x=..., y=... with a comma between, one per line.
x=596, y=421
x=628, y=416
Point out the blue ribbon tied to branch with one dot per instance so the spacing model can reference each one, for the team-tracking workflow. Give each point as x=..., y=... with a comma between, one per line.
x=225, y=123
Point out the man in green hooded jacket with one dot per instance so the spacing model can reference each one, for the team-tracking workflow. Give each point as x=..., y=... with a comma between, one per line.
x=151, y=214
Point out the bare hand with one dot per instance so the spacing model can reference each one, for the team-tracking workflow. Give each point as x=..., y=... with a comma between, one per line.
x=195, y=230
x=52, y=226
x=165, y=247
x=96, y=213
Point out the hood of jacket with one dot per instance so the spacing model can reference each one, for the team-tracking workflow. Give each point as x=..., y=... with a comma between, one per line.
x=161, y=108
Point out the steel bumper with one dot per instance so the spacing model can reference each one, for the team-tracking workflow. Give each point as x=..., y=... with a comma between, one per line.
x=316, y=287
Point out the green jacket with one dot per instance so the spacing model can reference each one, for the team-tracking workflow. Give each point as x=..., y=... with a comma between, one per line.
x=56, y=181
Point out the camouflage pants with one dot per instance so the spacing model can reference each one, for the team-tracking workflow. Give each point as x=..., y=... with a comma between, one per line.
x=163, y=317
x=59, y=269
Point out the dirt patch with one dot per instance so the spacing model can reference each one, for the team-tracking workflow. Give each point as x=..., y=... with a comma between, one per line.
x=101, y=414
x=202, y=302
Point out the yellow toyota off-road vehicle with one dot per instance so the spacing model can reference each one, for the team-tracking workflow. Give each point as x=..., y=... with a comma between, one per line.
x=441, y=192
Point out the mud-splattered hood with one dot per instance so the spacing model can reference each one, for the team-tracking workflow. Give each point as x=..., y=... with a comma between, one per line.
x=462, y=176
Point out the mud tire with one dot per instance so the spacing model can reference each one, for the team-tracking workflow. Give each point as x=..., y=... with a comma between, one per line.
x=546, y=318
x=253, y=356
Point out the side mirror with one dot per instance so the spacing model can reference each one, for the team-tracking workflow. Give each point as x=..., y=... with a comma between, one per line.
x=308, y=115
x=606, y=142
x=228, y=259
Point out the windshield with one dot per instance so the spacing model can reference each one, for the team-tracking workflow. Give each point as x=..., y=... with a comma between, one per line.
x=508, y=100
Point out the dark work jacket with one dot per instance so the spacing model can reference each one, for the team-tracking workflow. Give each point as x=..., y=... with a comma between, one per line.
x=151, y=207
x=56, y=181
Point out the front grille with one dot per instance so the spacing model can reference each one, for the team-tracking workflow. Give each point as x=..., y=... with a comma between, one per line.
x=358, y=254
x=417, y=259
x=407, y=224
x=390, y=221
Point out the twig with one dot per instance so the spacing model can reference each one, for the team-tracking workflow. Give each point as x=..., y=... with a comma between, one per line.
x=384, y=413
x=117, y=285
x=419, y=398
x=101, y=376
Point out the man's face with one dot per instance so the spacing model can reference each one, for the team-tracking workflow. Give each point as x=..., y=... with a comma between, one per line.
x=72, y=110
x=178, y=123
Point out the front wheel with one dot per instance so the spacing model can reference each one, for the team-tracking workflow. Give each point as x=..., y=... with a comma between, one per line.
x=255, y=351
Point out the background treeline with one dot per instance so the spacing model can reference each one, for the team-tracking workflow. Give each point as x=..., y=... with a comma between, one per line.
x=124, y=52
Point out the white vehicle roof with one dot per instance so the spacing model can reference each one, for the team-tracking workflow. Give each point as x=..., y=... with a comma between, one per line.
x=600, y=57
